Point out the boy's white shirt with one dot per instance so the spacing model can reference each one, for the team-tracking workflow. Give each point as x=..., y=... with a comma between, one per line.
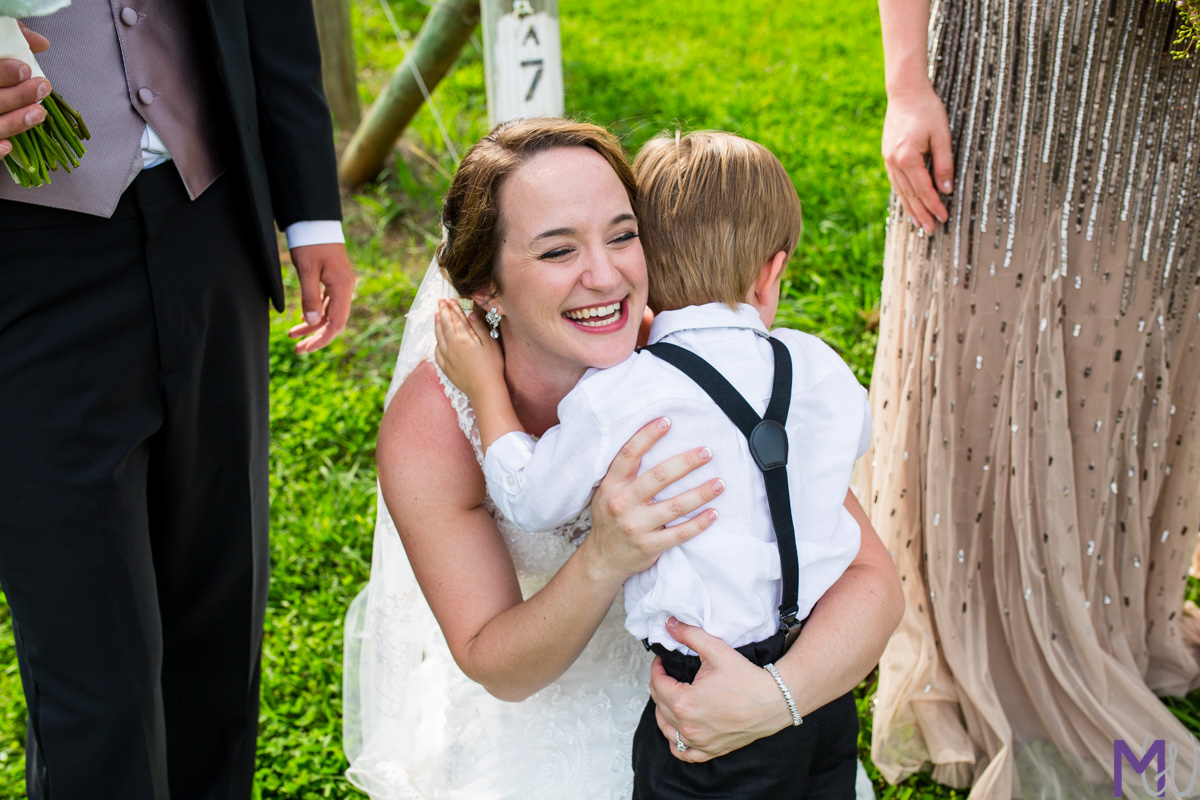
x=726, y=580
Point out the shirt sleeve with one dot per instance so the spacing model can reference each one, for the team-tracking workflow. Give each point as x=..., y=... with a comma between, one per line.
x=540, y=485
x=326, y=231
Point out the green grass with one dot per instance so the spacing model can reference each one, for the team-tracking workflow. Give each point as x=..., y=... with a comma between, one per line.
x=804, y=78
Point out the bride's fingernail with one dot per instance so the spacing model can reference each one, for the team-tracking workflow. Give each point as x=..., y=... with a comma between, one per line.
x=672, y=622
x=705, y=454
x=664, y=423
x=312, y=317
x=718, y=486
x=712, y=514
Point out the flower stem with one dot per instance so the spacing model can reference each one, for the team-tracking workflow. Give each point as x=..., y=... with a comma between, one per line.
x=56, y=142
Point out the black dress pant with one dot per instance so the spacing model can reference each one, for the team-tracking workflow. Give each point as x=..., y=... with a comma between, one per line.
x=817, y=760
x=133, y=483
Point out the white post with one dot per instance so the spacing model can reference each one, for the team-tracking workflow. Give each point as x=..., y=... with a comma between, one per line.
x=522, y=58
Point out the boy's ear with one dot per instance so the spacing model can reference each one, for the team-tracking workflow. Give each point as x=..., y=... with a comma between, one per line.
x=768, y=278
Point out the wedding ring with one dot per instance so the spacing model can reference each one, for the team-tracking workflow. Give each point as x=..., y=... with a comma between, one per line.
x=679, y=745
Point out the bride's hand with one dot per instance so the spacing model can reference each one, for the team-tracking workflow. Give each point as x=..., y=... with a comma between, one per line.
x=730, y=704
x=628, y=532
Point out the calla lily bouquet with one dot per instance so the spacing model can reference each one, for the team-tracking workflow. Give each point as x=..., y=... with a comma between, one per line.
x=58, y=140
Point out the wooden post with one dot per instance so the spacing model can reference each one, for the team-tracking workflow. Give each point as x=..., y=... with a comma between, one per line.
x=522, y=58
x=447, y=28
x=337, y=61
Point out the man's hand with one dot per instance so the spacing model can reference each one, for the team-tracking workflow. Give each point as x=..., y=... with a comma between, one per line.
x=20, y=93
x=326, y=285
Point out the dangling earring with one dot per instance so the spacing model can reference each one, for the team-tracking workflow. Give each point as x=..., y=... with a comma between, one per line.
x=493, y=319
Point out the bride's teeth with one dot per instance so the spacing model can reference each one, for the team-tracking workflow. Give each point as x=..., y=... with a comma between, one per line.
x=583, y=315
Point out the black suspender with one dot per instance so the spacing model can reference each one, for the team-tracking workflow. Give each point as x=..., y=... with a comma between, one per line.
x=768, y=444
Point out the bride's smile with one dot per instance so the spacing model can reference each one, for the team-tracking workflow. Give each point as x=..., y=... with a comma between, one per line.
x=600, y=318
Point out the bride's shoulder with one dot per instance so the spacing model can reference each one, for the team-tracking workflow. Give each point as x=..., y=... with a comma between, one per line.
x=420, y=439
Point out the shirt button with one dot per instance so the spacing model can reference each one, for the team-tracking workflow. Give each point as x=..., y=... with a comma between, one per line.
x=129, y=16
x=146, y=96
x=512, y=481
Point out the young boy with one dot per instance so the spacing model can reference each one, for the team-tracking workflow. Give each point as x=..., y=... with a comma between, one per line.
x=718, y=220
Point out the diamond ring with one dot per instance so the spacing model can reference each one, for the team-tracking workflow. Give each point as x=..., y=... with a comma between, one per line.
x=679, y=745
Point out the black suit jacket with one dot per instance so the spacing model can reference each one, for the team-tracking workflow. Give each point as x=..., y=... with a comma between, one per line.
x=269, y=63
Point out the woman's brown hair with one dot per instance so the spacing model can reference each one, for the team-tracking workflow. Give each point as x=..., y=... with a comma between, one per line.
x=471, y=212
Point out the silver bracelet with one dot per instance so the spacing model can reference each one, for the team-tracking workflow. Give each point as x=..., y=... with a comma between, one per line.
x=787, y=696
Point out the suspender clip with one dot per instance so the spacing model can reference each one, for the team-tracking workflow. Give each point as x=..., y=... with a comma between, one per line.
x=791, y=628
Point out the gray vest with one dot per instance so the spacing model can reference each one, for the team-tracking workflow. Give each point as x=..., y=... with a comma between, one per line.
x=123, y=67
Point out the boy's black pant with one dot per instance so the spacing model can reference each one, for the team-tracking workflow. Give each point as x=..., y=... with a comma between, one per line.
x=815, y=761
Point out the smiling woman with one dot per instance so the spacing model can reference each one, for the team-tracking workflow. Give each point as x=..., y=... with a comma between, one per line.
x=540, y=226
x=464, y=610
x=589, y=261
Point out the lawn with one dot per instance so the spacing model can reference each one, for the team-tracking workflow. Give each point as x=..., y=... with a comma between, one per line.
x=802, y=77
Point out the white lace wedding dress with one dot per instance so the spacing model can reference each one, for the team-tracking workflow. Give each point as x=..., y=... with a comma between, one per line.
x=416, y=728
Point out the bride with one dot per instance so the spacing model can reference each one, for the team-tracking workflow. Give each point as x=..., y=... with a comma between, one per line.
x=486, y=662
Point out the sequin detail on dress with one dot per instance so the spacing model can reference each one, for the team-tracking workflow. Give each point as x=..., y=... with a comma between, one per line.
x=1035, y=404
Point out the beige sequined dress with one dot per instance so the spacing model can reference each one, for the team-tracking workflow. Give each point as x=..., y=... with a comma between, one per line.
x=1036, y=459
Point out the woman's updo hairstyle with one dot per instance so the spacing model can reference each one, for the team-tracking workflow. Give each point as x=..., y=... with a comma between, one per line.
x=471, y=212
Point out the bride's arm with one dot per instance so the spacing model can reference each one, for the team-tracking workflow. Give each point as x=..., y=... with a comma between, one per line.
x=732, y=702
x=433, y=489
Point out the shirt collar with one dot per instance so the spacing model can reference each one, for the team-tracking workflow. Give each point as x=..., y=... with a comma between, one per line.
x=709, y=315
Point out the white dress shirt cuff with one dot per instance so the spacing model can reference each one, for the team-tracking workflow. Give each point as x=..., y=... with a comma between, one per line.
x=326, y=231
x=504, y=464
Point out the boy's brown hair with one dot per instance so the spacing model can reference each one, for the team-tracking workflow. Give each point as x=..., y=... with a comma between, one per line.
x=712, y=208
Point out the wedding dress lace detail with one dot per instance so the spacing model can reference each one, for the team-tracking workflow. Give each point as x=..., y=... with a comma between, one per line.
x=537, y=556
x=416, y=728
